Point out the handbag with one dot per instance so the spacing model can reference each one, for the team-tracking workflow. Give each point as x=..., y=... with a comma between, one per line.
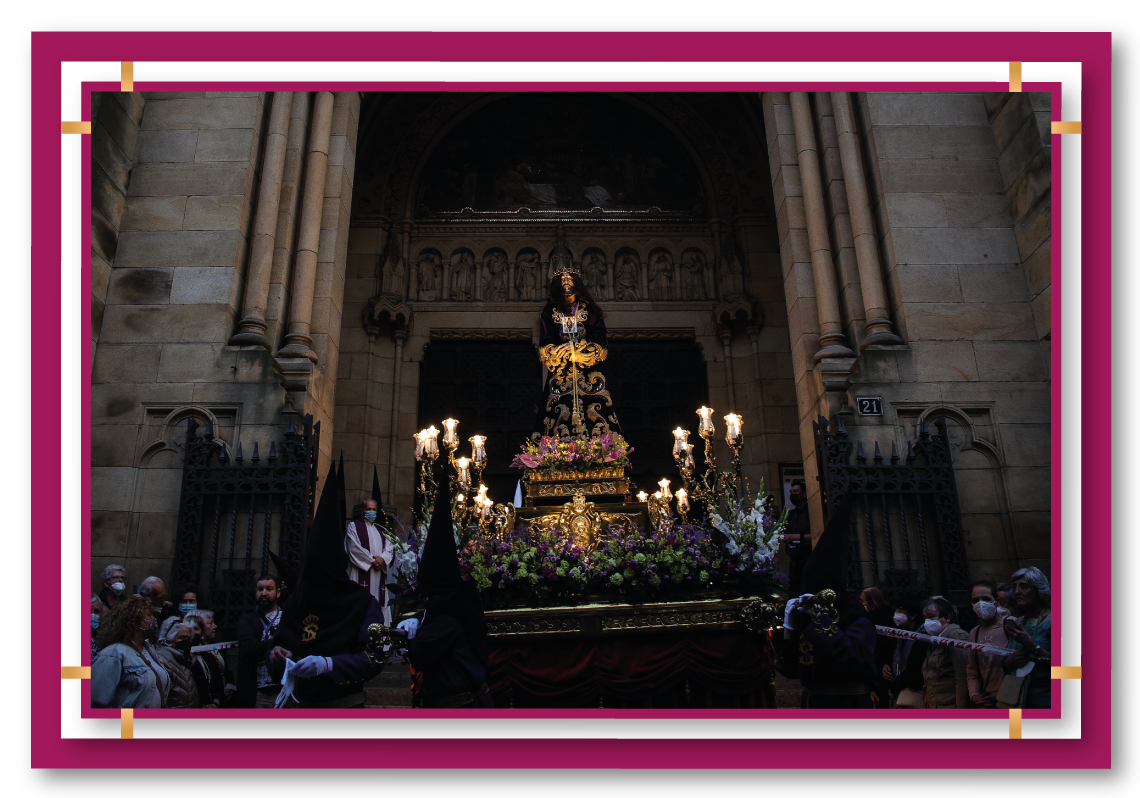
x=1011, y=691
x=909, y=698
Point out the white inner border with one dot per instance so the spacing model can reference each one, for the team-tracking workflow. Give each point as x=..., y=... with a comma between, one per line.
x=75, y=209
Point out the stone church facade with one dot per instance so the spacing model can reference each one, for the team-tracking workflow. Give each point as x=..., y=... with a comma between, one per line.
x=261, y=256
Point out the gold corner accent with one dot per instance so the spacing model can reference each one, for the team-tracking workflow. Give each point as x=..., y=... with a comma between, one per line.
x=1015, y=724
x=75, y=672
x=1015, y=76
x=75, y=127
x=1066, y=127
x=127, y=78
x=1065, y=672
x=127, y=724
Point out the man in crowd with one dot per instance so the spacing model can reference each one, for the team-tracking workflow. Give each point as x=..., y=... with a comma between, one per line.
x=448, y=644
x=797, y=536
x=369, y=554
x=114, y=585
x=324, y=622
x=154, y=589
x=831, y=652
x=257, y=687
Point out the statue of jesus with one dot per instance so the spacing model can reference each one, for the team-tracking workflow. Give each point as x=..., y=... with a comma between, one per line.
x=572, y=345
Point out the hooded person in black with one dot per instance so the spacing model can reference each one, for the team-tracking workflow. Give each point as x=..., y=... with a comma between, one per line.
x=832, y=654
x=324, y=623
x=449, y=645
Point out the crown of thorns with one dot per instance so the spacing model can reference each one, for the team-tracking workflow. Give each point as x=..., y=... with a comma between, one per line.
x=568, y=270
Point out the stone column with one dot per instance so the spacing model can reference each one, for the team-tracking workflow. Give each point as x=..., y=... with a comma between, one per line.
x=394, y=430
x=253, y=326
x=299, y=339
x=831, y=339
x=410, y=277
x=511, y=292
x=730, y=381
x=879, y=329
x=610, y=280
x=644, y=266
x=445, y=288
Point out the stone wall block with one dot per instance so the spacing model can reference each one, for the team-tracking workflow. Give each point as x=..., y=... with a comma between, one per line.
x=934, y=108
x=123, y=364
x=1017, y=155
x=202, y=285
x=166, y=146
x=1041, y=313
x=110, y=202
x=1009, y=119
x=201, y=114
x=1004, y=282
x=1038, y=268
x=963, y=245
x=170, y=249
x=113, y=445
x=977, y=210
x=234, y=144
x=929, y=175
x=157, y=533
x=112, y=488
x=166, y=323
x=107, y=153
x=954, y=142
x=108, y=542
x=186, y=179
x=930, y=361
x=139, y=286
x=151, y=214
x=158, y=492
x=183, y=363
x=120, y=125
x=1034, y=228
x=965, y=321
x=224, y=212
x=100, y=275
x=916, y=210
x=1015, y=361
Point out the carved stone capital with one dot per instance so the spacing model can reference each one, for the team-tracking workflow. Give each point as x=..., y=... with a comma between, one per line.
x=386, y=313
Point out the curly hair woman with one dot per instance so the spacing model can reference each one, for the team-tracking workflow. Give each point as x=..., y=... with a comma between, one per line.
x=126, y=673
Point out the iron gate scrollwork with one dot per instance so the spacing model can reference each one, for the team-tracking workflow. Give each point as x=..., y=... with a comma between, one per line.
x=231, y=507
x=906, y=525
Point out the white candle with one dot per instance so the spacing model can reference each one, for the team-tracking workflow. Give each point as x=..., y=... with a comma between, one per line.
x=682, y=500
x=706, y=428
x=478, y=453
x=680, y=440
x=734, y=423
x=665, y=492
x=450, y=437
x=431, y=447
x=642, y=496
x=464, y=473
x=419, y=436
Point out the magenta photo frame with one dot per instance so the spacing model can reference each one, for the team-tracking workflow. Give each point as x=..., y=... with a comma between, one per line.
x=1092, y=50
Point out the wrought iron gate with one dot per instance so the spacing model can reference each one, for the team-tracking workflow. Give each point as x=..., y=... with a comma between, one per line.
x=229, y=504
x=906, y=526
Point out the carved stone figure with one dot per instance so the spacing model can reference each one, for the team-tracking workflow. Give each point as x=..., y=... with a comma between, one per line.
x=462, y=276
x=692, y=275
x=495, y=277
x=427, y=275
x=627, y=279
x=594, y=270
x=730, y=268
x=526, y=275
x=393, y=269
x=661, y=275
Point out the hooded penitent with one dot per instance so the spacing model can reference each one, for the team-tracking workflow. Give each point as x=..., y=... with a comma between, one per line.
x=828, y=563
x=444, y=591
x=325, y=610
x=287, y=573
x=381, y=516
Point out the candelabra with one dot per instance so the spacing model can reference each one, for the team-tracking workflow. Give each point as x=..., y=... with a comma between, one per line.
x=427, y=450
x=707, y=486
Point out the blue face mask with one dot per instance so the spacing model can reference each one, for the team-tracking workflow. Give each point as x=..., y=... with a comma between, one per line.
x=185, y=608
x=94, y=621
x=369, y=515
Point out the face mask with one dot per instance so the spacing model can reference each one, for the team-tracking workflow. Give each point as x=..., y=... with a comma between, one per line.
x=932, y=626
x=94, y=621
x=185, y=608
x=985, y=610
x=900, y=618
x=184, y=646
x=117, y=588
x=1003, y=612
x=369, y=515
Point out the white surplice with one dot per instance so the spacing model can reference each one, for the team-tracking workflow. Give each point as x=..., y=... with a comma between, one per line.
x=360, y=563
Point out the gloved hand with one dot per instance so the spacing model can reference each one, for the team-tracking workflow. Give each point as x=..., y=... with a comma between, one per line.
x=791, y=607
x=411, y=626
x=309, y=667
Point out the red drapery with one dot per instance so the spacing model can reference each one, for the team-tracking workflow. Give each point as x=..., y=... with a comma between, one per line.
x=695, y=669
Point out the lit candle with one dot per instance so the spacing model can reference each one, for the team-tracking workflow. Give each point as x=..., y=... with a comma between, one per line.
x=642, y=496
x=450, y=437
x=665, y=492
x=464, y=474
x=419, y=436
x=478, y=453
x=680, y=439
x=460, y=498
x=689, y=464
x=733, y=432
x=482, y=497
x=657, y=495
x=682, y=500
x=431, y=447
x=706, y=429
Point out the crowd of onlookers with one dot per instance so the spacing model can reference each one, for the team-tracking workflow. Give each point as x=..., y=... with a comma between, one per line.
x=916, y=674
x=142, y=647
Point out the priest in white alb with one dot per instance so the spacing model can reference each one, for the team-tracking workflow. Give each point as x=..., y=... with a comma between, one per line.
x=369, y=555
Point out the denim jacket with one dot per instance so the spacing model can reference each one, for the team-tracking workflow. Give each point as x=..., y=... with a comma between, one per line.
x=120, y=677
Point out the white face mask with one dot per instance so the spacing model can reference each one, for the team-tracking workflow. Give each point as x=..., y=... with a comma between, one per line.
x=985, y=609
x=118, y=588
x=900, y=618
x=933, y=626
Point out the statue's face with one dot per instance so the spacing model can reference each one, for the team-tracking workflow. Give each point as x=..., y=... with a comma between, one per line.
x=568, y=287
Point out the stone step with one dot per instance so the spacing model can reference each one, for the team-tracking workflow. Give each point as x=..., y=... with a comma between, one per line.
x=387, y=697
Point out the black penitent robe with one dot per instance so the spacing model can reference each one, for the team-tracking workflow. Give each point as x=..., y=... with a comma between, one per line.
x=835, y=664
x=555, y=403
x=441, y=651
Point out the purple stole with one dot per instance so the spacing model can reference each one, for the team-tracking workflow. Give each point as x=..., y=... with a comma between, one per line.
x=365, y=579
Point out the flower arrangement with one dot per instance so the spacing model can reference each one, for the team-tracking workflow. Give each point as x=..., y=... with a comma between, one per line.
x=575, y=452
x=539, y=569
x=406, y=544
x=752, y=533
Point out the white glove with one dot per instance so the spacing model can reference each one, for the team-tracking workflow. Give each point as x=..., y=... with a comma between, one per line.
x=790, y=607
x=411, y=626
x=309, y=667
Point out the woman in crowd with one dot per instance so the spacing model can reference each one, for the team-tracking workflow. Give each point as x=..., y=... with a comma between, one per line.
x=126, y=674
x=1030, y=635
x=905, y=671
x=209, y=669
x=173, y=653
x=879, y=608
x=185, y=600
x=1004, y=598
x=97, y=610
x=944, y=669
x=984, y=671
